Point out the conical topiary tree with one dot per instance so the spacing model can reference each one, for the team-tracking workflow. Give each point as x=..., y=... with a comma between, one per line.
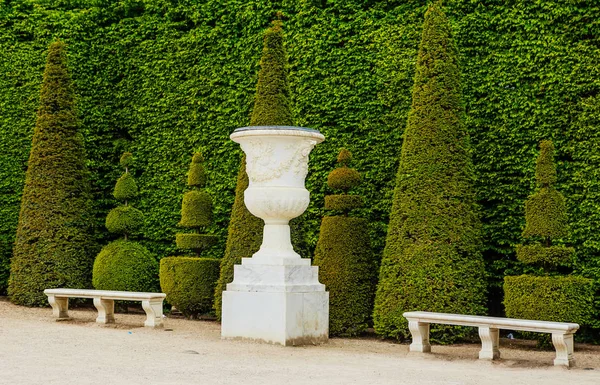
x=271, y=108
x=549, y=297
x=189, y=282
x=432, y=258
x=53, y=246
x=123, y=264
x=344, y=256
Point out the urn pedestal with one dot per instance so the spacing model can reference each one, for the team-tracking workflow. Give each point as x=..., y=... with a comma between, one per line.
x=276, y=296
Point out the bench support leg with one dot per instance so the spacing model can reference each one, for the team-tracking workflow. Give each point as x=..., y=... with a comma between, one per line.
x=154, y=313
x=563, y=343
x=60, y=307
x=420, y=337
x=489, y=343
x=106, y=310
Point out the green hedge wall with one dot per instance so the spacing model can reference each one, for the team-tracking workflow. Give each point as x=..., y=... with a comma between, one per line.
x=162, y=78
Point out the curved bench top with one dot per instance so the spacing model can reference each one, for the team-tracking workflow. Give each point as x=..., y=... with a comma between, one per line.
x=492, y=322
x=106, y=294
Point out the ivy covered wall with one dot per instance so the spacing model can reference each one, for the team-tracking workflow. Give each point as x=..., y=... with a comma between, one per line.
x=165, y=78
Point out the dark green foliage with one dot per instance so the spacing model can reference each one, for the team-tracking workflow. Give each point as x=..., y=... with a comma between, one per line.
x=343, y=202
x=271, y=103
x=189, y=283
x=182, y=75
x=343, y=178
x=125, y=266
x=548, y=298
x=194, y=241
x=560, y=299
x=347, y=266
x=53, y=247
x=126, y=160
x=197, y=175
x=545, y=256
x=124, y=220
x=196, y=209
x=271, y=107
x=125, y=188
x=432, y=259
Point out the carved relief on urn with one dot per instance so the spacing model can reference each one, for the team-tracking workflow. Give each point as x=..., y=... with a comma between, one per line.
x=277, y=164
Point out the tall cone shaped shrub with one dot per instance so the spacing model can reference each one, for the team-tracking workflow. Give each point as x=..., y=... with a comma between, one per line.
x=271, y=108
x=123, y=264
x=346, y=264
x=432, y=259
x=53, y=246
x=550, y=297
x=189, y=282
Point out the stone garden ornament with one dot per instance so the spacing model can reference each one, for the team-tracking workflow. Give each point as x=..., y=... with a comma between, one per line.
x=275, y=295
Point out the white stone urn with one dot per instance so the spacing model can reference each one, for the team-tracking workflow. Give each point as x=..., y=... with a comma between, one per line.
x=276, y=295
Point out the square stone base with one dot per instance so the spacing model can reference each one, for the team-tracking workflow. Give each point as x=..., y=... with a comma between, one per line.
x=286, y=317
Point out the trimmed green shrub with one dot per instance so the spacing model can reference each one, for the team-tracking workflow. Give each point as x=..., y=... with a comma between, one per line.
x=347, y=265
x=53, y=246
x=559, y=299
x=196, y=210
x=125, y=265
x=342, y=202
x=432, y=259
x=546, y=256
x=271, y=107
x=548, y=298
x=124, y=220
x=189, y=283
x=126, y=188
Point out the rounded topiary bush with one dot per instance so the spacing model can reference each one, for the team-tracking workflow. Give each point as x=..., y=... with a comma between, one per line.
x=126, y=188
x=189, y=283
x=124, y=220
x=125, y=266
x=196, y=210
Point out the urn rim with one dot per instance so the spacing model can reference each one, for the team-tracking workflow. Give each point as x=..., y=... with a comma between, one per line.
x=275, y=131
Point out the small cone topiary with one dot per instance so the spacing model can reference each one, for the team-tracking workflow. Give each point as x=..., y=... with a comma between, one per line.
x=432, y=258
x=125, y=265
x=271, y=107
x=189, y=282
x=53, y=246
x=346, y=262
x=550, y=297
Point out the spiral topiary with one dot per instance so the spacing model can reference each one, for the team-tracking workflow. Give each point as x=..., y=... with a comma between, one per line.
x=189, y=282
x=346, y=262
x=550, y=297
x=123, y=264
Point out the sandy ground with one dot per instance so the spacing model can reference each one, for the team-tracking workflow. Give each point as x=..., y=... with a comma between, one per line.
x=34, y=349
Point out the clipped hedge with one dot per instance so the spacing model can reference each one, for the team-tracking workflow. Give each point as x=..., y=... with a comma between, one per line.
x=347, y=266
x=53, y=246
x=163, y=77
x=432, y=260
x=124, y=220
x=189, y=283
x=125, y=266
x=549, y=298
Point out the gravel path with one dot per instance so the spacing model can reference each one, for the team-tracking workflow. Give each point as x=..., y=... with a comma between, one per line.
x=34, y=349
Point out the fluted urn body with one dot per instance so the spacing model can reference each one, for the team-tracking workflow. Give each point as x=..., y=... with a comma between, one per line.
x=277, y=164
x=276, y=295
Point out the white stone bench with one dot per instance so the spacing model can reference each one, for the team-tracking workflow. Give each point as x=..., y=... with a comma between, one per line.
x=104, y=301
x=562, y=333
